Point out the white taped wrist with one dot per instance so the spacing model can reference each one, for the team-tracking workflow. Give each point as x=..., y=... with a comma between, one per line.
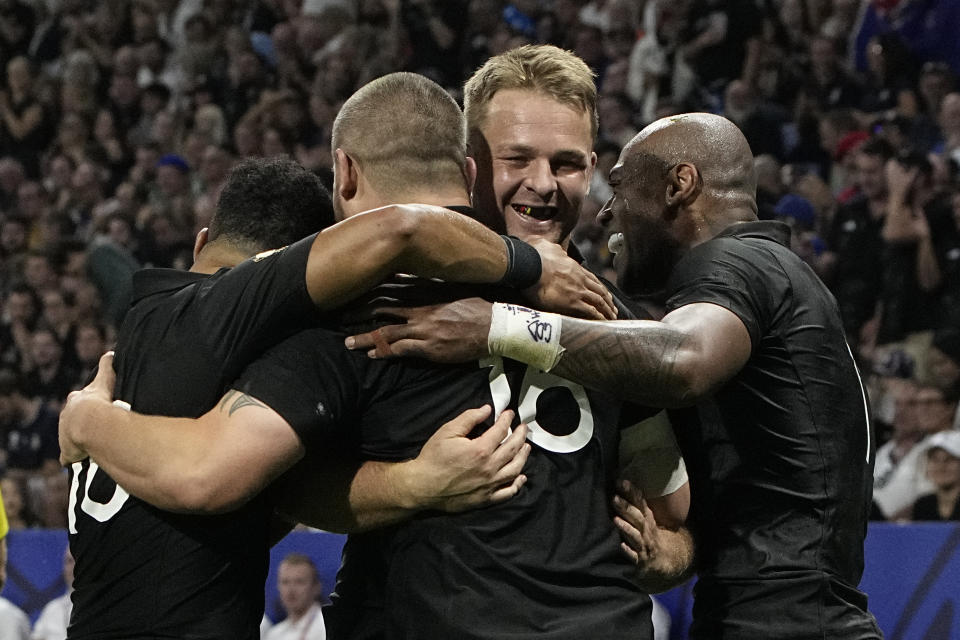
x=527, y=335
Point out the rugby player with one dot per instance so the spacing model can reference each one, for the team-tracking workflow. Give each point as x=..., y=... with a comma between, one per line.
x=781, y=462
x=143, y=572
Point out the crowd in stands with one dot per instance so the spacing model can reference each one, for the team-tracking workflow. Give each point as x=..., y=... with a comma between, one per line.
x=120, y=119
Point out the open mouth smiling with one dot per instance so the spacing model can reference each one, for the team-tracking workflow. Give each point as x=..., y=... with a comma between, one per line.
x=537, y=213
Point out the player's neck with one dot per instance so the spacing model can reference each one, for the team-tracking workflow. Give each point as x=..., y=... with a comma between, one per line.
x=454, y=197
x=215, y=256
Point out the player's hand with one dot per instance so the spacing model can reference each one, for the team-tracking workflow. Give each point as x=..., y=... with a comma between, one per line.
x=455, y=472
x=100, y=390
x=566, y=287
x=454, y=332
x=637, y=526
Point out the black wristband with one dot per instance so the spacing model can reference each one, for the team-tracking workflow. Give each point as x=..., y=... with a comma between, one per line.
x=523, y=264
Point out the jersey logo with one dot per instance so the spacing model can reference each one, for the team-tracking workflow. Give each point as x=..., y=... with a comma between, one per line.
x=266, y=254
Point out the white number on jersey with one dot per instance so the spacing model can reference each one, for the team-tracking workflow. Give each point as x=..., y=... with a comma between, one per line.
x=535, y=382
x=100, y=511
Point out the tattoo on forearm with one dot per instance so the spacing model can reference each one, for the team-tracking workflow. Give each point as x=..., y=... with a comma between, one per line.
x=633, y=359
x=237, y=401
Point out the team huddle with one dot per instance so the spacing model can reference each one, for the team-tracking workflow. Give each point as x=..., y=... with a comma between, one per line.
x=516, y=447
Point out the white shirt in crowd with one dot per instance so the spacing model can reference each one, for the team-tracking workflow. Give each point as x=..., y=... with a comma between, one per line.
x=309, y=627
x=14, y=623
x=53, y=620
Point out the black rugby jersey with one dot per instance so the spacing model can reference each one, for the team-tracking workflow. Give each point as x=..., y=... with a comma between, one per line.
x=781, y=466
x=545, y=564
x=146, y=573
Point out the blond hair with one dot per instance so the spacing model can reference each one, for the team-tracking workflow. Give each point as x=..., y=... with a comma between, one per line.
x=405, y=131
x=558, y=73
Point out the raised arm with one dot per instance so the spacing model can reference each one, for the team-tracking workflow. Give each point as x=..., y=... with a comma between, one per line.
x=435, y=242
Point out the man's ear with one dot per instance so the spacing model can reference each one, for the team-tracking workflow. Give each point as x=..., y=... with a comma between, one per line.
x=683, y=185
x=203, y=237
x=470, y=173
x=345, y=171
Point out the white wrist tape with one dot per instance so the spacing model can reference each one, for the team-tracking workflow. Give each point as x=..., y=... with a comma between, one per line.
x=530, y=336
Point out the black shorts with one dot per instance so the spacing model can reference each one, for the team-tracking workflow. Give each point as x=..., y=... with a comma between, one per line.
x=804, y=608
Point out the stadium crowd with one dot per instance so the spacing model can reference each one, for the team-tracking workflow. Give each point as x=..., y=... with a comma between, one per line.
x=120, y=120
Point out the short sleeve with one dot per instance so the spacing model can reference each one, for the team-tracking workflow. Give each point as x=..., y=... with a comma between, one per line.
x=305, y=380
x=258, y=301
x=650, y=457
x=731, y=274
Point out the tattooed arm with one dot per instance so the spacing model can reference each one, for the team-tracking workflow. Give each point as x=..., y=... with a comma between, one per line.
x=210, y=464
x=220, y=460
x=671, y=363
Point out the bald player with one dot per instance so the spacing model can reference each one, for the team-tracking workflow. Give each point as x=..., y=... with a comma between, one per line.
x=780, y=463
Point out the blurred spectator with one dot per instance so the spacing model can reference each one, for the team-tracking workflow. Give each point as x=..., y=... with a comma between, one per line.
x=949, y=120
x=840, y=137
x=828, y=84
x=888, y=90
x=299, y=585
x=20, y=312
x=761, y=123
x=90, y=343
x=943, y=470
x=38, y=271
x=57, y=315
x=12, y=175
x=14, y=624
x=944, y=358
x=856, y=246
x=55, y=616
x=899, y=474
x=17, y=22
x=770, y=187
x=718, y=37
x=51, y=497
x=30, y=426
x=935, y=82
x=616, y=123
x=14, y=237
x=800, y=215
x=113, y=150
x=927, y=29
x=51, y=375
x=24, y=129
x=909, y=262
x=19, y=515
x=172, y=197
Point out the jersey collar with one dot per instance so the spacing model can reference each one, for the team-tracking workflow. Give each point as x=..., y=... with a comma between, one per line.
x=773, y=230
x=148, y=282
